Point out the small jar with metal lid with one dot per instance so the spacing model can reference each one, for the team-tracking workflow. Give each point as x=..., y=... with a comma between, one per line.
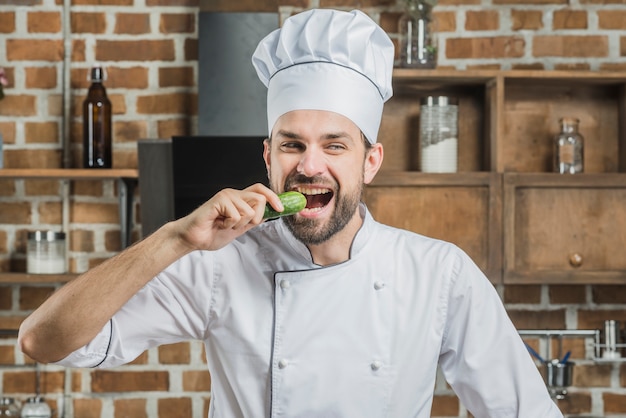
x=36, y=407
x=8, y=407
x=46, y=253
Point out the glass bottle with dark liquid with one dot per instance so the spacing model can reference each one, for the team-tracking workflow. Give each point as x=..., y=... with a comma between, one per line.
x=97, y=151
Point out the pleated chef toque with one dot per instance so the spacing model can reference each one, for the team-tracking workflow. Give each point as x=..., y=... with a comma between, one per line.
x=330, y=60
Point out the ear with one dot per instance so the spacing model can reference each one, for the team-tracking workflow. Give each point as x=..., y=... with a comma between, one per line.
x=267, y=147
x=373, y=161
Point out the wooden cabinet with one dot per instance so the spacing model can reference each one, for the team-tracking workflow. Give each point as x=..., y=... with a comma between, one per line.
x=520, y=222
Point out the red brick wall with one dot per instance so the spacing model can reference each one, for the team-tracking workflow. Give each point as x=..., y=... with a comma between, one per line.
x=149, y=49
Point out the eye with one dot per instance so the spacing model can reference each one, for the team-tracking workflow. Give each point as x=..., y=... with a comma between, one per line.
x=291, y=146
x=336, y=147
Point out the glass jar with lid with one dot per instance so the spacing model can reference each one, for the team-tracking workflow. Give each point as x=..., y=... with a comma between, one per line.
x=36, y=407
x=568, y=147
x=8, y=407
x=415, y=27
x=46, y=253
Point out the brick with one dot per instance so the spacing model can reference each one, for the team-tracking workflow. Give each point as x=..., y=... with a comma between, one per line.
x=578, y=66
x=130, y=131
x=7, y=22
x=622, y=375
x=7, y=187
x=129, y=381
x=87, y=408
x=612, y=19
x=594, y=319
x=132, y=23
x=445, y=406
x=596, y=375
x=522, y=294
x=172, y=127
x=11, y=322
x=530, y=66
x=560, y=294
x=78, y=50
x=614, y=403
x=41, y=77
x=524, y=319
x=171, y=103
x=569, y=19
x=196, y=381
x=129, y=78
x=15, y=213
x=570, y=46
x=622, y=50
x=87, y=188
x=482, y=20
x=526, y=19
x=613, y=66
x=176, y=77
x=24, y=382
x=50, y=212
x=124, y=158
x=23, y=105
x=177, y=23
x=140, y=359
x=41, y=132
x=491, y=47
x=44, y=22
x=180, y=3
x=83, y=212
x=191, y=49
x=530, y=2
x=575, y=403
x=103, y=2
x=42, y=187
x=144, y=50
x=444, y=21
x=88, y=22
x=389, y=21
x=175, y=407
x=350, y=3
x=112, y=240
x=7, y=355
x=135, y=408
x=31, y=297
x=175, y=353
x=608, y=294
x=34, y=50
x=6, y=298
x=8, y=132
x=602, y=1
x=81, y=240
x=457, y=2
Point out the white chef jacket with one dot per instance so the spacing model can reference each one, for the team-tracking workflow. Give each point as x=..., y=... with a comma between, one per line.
x=288, y=338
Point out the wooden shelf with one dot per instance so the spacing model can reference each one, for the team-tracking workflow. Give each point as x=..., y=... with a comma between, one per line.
x=20, y=278
x=69, y=173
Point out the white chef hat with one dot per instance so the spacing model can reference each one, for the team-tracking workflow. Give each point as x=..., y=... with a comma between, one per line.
x=330, y=60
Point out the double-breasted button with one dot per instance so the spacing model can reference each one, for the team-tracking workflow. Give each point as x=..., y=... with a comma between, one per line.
x=285, y=284
x=379, y=285
x=376, y=365
x=283, y=363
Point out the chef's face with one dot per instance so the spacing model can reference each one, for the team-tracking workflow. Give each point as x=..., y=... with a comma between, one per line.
x=324, y=156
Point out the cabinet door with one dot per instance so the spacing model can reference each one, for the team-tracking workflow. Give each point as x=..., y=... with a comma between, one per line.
x=464, y=210
x=564, y=229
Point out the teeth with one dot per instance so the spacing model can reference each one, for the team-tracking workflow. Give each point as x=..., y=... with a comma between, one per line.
x=312, y=191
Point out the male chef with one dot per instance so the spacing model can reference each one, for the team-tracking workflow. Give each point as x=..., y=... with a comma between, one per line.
x=326, y=313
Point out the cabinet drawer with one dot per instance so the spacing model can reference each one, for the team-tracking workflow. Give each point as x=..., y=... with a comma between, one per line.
x=564, y=229
x=463, y=209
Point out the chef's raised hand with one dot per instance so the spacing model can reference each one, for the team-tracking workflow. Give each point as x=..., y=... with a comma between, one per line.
x=225, y=216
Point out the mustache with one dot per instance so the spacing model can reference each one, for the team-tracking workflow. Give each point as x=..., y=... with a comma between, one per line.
x=302, y=179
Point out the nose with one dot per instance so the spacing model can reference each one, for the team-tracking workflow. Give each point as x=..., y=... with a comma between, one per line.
x=311, y=162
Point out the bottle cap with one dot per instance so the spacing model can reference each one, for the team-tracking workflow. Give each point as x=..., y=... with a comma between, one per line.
x=97, y=73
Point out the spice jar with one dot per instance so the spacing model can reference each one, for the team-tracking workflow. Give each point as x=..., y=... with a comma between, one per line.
x=417, y=49
x=568, y=148
x=46, y=252
x=8, y=407
x=35, y=407
x=438, y=134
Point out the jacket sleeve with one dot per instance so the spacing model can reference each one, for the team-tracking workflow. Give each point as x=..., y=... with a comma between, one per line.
x=483, y=357
x=174, y=306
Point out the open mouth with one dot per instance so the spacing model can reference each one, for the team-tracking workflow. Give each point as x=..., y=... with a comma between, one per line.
x=316, y=198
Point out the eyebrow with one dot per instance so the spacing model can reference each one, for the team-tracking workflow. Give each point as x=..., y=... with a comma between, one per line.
x=327, y=136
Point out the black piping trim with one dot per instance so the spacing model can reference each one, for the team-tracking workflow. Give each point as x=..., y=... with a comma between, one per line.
x=333, y=63
x=108, y=346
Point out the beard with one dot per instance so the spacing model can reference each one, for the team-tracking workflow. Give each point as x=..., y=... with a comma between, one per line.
x=313, y=231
